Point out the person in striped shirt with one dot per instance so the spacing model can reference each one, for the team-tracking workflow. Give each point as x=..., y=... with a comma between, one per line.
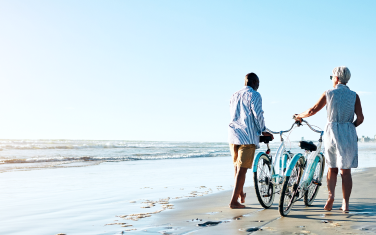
x=246, y=126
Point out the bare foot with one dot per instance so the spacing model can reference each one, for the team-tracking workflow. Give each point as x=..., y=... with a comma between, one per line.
x=329, y=204
x=344, y=208
x=242, y=198
x=237, y=205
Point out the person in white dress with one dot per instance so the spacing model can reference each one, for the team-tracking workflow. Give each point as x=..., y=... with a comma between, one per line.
x=340, y=138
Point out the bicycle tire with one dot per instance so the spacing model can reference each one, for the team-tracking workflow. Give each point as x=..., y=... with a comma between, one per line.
x=290, y=183
x=263, y=181
x=313, y=189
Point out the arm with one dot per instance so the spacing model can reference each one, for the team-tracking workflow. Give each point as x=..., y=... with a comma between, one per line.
x=259, y=117
x=256, y=109
x=358, y=111
x=312, y=111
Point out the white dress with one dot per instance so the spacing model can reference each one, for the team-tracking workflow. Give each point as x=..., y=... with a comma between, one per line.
x=340, y=138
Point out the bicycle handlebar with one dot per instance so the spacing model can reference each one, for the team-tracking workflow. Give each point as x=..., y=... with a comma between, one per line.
x=280, y=132
x=273, y=132
x=313, y=129
x=295, y=123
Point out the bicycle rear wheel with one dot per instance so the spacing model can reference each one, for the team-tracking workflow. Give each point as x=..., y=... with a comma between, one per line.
x=289, y=188
x=263, y=181
x=313, y=189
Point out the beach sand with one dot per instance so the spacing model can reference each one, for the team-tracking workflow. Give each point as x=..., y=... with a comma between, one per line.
x=189, y=213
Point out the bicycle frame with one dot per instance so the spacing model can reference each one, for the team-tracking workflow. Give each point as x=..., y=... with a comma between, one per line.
x=280, y=162
x=310, y=161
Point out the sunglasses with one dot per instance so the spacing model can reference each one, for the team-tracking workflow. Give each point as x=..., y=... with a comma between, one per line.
x=331, y=77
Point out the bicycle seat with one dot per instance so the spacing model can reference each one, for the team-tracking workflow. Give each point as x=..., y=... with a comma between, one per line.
x=307, y=145
x=265, y=139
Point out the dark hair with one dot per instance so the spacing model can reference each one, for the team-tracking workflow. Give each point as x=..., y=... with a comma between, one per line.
x=250, y=78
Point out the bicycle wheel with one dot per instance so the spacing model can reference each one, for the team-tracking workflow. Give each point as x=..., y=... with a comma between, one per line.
x=263, y=181
x=289, y=188
x=313, y=189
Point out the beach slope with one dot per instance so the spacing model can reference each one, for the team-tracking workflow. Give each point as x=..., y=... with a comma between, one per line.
x=201, y=215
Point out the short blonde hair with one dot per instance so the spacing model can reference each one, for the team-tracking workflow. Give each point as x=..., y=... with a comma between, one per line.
x=343, y=73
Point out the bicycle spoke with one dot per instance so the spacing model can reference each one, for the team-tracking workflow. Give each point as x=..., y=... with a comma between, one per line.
x=312, y=187
x=263, y=181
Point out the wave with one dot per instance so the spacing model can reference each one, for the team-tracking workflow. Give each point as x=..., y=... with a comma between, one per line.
x=109, y=158
x=45, y=145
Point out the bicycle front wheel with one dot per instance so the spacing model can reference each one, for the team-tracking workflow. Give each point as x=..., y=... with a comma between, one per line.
x=263, y=181
x=289, y=188
x=313, y=189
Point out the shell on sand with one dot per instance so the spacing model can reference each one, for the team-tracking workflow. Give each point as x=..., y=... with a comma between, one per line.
x=336, y=224
x=136, y=217
x=304, y=232
x=169, y=206
x=149, y=201
x=155, y=212
x=127, y=225
x=270, y=228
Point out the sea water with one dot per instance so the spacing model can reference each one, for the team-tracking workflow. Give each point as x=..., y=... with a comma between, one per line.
x=83, y=186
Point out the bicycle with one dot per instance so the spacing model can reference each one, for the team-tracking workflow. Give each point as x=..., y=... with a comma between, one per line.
x=304, y=174
x=267, y=174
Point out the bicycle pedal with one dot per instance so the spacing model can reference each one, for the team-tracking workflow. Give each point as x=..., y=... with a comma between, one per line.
x=317, y=183
x=266, y=195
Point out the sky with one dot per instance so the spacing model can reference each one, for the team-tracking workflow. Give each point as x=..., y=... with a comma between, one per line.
x=165, y=70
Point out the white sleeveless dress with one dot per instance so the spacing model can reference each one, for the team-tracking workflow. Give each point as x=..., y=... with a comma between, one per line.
x=340, y=138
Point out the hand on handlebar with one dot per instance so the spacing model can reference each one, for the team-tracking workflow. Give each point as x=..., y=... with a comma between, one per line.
x=297, y=119
x=268, y=134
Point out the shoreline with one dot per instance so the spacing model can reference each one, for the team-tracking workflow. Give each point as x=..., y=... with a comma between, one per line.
x=105, y=198
x=102, y=199
x=193, y=215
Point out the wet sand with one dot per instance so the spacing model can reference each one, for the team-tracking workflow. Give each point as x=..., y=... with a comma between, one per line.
x=197, y=214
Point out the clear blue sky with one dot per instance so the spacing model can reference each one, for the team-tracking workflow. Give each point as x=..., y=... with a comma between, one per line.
x=165, y=70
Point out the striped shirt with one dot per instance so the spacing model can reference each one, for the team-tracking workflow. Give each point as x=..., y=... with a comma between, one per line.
x=247, y=120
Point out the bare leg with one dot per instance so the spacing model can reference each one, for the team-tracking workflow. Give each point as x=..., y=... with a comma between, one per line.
x=242, y=194
x=239, y=183
x=234, y=152
x=331, y=179
x=346, y=188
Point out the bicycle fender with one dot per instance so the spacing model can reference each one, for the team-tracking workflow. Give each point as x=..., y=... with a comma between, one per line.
x=313, y=166
x=294, y=160
x=321, y=155
x=285, y=157
x=256, y=160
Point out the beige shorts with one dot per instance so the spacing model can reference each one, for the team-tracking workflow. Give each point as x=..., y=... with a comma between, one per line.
x=242, y=155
